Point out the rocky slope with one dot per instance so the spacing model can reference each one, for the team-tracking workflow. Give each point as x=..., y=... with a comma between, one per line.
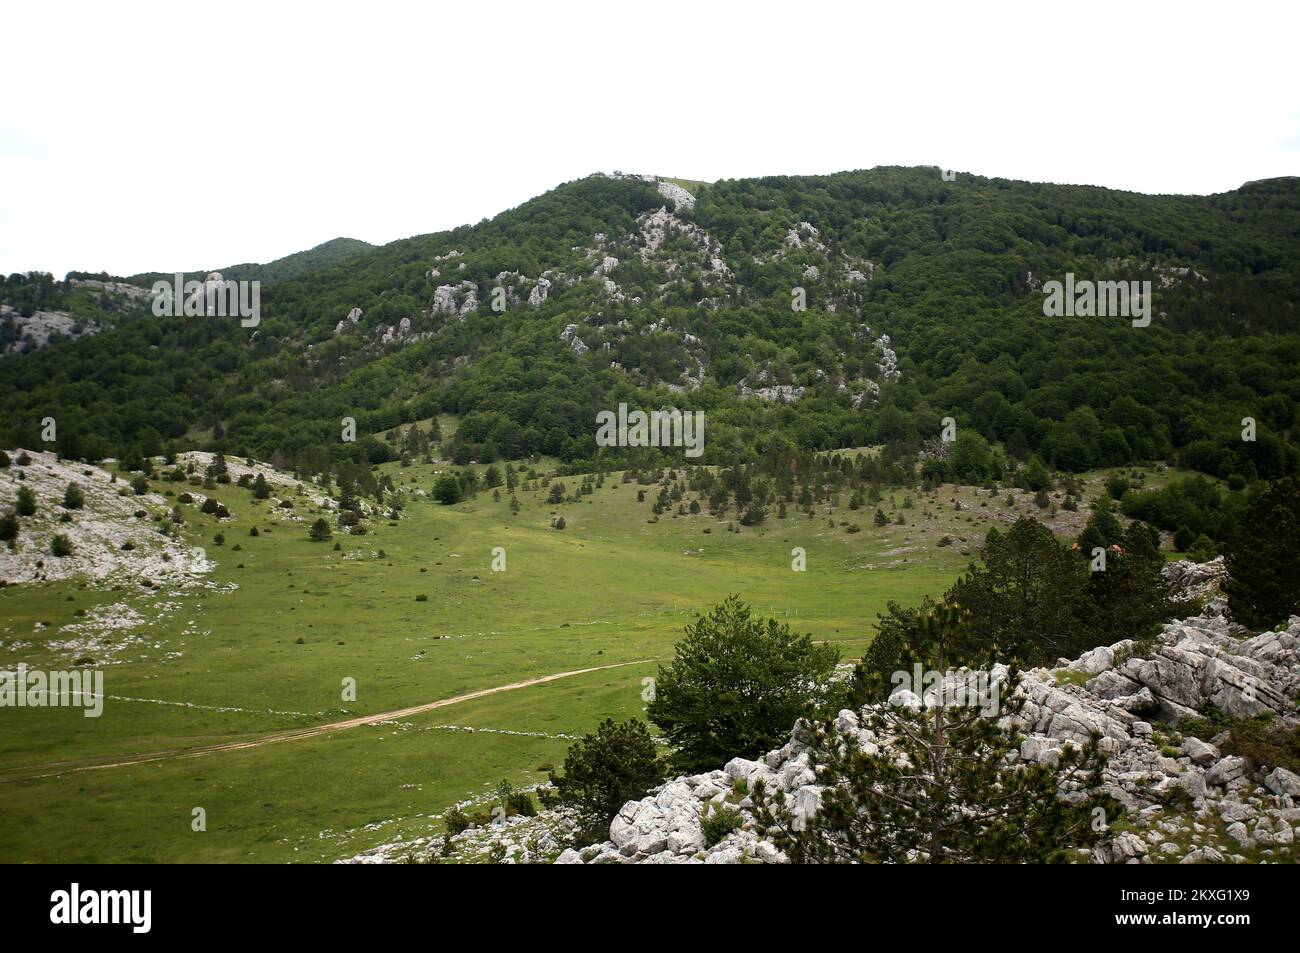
x=1186, y=801
x=115, y=535
x=662, y=255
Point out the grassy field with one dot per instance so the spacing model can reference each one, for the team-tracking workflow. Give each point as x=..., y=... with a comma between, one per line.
x=267, y=647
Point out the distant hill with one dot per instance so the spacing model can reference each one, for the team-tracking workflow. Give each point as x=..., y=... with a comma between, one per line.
x=332, y=252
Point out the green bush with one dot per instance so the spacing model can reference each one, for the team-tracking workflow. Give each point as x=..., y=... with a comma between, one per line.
x=617, y=763
x=457, y=821
x=717, y=821
x=736, y=685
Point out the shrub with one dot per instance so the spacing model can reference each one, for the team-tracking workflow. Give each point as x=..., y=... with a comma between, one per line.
x=717, y=821
x=73, y=497
x=446, y=491
x=457, y=821
x=25, y=505
x=605, y=769
x=61, y=546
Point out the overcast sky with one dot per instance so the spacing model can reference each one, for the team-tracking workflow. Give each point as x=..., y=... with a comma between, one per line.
x=139, y=137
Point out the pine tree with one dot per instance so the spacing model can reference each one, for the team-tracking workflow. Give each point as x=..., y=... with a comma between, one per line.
x=1263, y=559
x=1129, y=598
x=1103, y=528
x=942, y=790
x=604, y=770
x=447, y=490
x=1024, y=596
x=947, y=786
x=26, y=502
x=73, y=497
x=320, y=531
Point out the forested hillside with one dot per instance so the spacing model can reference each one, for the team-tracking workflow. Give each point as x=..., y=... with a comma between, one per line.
x=923, y=300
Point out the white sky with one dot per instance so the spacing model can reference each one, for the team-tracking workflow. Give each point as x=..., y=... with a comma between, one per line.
x=141, y=136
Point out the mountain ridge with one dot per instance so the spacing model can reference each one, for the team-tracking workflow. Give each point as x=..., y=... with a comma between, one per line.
x=923, y=301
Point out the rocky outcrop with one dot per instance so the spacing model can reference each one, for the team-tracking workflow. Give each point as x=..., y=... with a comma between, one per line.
x=682, y=200
x=349, y=322
x=570, y=337
x=769, y=392
x=457, y=300
x=538, y=295
x=41, y=328
x=1129, y=701
x=1189, y=580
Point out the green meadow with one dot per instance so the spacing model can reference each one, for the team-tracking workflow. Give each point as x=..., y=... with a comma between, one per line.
x=267, y=644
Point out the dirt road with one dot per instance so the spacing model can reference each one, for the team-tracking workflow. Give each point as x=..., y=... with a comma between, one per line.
x=58, y=768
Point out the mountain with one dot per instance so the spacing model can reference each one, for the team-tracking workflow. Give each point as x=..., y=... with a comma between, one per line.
x=799, y=313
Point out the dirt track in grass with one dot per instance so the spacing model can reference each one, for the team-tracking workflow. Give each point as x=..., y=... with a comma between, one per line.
x=55, y=769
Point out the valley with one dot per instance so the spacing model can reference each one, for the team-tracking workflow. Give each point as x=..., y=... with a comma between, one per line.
x=261, y=649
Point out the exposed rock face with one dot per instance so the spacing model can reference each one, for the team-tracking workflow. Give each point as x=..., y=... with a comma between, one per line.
x=457, y=300
x=540, y=291
x=38, y=329
x=570, y=337
x=770, y=392
x=134, y=292
x=681, y=199
x=349, y=322
x=397, y=332
x=1189, y=580
x=1196, y=662
x=805, y=235
x=888, y=359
